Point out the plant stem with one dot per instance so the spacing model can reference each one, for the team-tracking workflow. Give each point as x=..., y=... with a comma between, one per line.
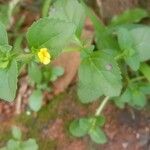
x=137, y=79
x=120, y=56
x=102, y=105
x=18, y=105
x=45, y=9
x=12, y=5
x=24, y=57
x=99, y=3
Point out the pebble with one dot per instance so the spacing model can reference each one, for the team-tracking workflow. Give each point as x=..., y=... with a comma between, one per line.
x=137, y=135
x=125, y=145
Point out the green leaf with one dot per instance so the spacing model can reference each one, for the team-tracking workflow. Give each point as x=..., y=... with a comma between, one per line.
x=4, y=17
x=30, y=144
x=125, y=39
x=138, y=99
x=16, y=132
x=5, y=48
x=100, y=120
x=3, y=35
x=133, y=96
x=141, y=38
x=4, y=64
x=54, y=34
x=98, y=74
x=130, y=16
x=13, y=145
x=124, y=98
x=133, y=62
x=145, y=88
x=8, y=82
x=35, y=73
x=98, y=136
x=56, y=72
x=80, y=128
x=17, y=45
x=35, y=100
x=145, y=69
x=126, y=44
x=104, y=37
x=69, y=11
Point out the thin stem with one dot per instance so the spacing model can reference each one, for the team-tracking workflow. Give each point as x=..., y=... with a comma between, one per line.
x=102, y=105
x=45, y=8
x=137, y=79
x=12, y=5
x=99, y=3
x=78, y=41
x=18, y=105
x=24, y=57
x=120, y=56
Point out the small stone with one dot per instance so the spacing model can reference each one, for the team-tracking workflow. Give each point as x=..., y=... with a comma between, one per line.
x=137, y=135
x=147, y=129
x=125, y=145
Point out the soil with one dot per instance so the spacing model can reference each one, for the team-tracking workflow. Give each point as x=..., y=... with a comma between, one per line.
x=126, y=129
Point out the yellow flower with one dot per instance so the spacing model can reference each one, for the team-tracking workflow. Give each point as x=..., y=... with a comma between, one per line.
x=44, y=56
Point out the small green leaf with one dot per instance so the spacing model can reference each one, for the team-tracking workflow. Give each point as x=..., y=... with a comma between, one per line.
x=8, y=82
x=130, y=16
x=133, y=61
x=4, y=64
x=98, y=74
x=138, y=99
x=119, y=103
x=5, y=48
x=16, y=133
x=133, y=96
x=124, y=98
x=126, y=44
x=13, y=145
x=17, y=45
x=145, y=69
x=35, y=73
x=56, y=72
x=4, y=17
x=69, y=11
x=100, y=120
x=54, y=34
x=125, y=39
x=30, y=144
x=104, y=38
x=98, y=136
x=35, y=100
x=141, y=38
x=145, y=88
x=80, y=127
x=3, y=35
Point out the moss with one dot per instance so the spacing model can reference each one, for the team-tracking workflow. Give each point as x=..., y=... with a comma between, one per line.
x=36, y=123
x=5, y=135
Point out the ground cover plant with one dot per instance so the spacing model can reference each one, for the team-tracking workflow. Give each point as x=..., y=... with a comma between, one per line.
x=114, y=65
x=17, y=143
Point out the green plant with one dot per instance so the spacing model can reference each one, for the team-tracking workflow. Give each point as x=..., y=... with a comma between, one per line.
x=16, y=143
x=41, y=79
x=115, y=68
